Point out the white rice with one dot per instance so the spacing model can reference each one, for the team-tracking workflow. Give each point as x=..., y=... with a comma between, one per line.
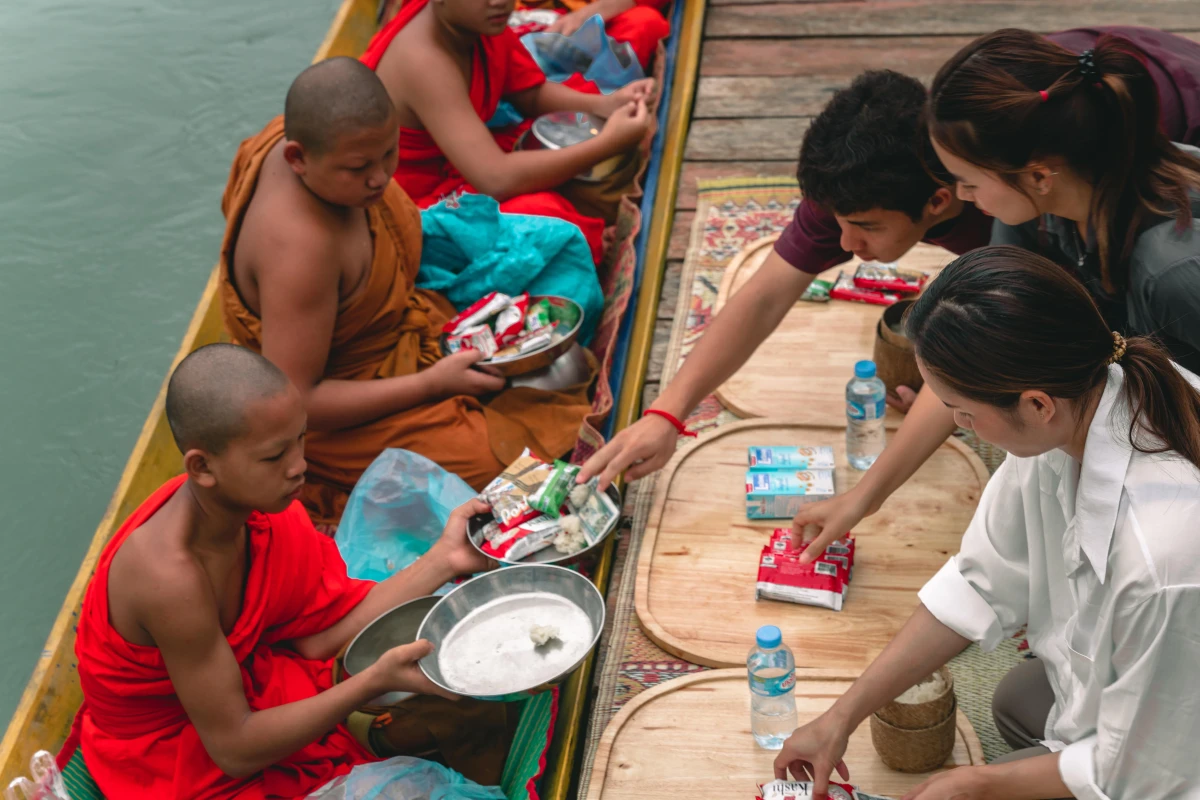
x=931, y=688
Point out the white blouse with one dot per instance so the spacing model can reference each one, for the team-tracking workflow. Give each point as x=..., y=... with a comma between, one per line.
x=1101, y=562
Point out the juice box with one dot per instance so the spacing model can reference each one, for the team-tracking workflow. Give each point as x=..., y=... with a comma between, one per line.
x=786, y=457
x=778, y=494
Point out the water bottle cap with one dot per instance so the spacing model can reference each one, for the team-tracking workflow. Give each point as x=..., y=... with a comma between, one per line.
x=864, y=369
x=769, y=637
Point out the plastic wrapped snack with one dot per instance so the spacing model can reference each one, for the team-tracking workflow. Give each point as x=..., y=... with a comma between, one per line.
x=477, y=338
x=803, y=790
x=477, y=313
x=527, y=342
x=510, y=322
x=597, y=512
x=508, y=494
x=552, y=494
x=844, y=289
x=538, y=315
x=817, y=291
x=888, y=278
x=524, y=540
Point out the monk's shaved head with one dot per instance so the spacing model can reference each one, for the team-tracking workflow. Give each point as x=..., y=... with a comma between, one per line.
x=210, y=391
x=333, y=97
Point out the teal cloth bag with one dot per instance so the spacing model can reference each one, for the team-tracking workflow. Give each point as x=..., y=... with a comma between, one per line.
x=470, y=249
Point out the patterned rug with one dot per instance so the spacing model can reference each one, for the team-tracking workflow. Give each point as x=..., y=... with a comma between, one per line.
x=732, y=213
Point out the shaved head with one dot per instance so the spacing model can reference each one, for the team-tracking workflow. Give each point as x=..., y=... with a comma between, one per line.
x=210, y=391
x=332, y=97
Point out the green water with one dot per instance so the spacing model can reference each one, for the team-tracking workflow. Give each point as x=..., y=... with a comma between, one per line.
x=118, y=121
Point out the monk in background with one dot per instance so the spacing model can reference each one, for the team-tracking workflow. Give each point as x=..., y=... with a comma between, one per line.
x=641, y=23
x=447, y=65
x=206, y=635
x=317, y=269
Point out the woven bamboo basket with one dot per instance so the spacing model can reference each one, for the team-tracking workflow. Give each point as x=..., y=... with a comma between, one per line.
x=915, y=716
x=895, y=361
x=921, y=750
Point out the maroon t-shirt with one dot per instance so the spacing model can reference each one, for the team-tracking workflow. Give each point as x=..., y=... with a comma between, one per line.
x=812, y=240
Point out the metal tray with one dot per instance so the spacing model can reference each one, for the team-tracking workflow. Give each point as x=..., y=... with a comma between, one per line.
x=567, y=314
x=390, y=629
x=548, y=555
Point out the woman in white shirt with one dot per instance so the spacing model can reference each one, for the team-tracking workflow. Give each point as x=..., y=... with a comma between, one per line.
x=1087, y=536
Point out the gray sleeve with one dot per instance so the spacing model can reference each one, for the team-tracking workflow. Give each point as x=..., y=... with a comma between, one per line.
x=1023, y=235
x=1172, y=302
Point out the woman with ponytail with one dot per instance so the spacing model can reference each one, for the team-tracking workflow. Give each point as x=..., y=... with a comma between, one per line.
x=1086, y=537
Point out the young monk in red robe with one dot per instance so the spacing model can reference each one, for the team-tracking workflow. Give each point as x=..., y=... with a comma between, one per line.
x=317, y=269
x=641, y=23
x=447, y=65
x=206, y=633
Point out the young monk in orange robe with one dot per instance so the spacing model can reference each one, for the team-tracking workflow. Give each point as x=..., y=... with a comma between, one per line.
x=321, y=251
x=207, y=631
x=447, y=65
x=641, y=23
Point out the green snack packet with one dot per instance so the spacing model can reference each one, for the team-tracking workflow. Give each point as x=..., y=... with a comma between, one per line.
x=817, y=291
x=538, y=315
x=551, y=495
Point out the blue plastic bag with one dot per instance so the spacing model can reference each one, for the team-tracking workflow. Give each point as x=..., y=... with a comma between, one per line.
x=396, y=512
x=404, y=778
x=589, y=51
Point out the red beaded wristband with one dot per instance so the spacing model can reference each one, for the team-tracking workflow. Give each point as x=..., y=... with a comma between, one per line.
x=671, y=418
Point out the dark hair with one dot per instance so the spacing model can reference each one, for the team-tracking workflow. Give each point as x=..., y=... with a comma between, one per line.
x=1040, y=329
x=332, y=97
x=1012, y=97
x=861, y=152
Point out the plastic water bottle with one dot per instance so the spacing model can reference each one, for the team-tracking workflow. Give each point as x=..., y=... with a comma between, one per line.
x=865, y=409
x=772, y=669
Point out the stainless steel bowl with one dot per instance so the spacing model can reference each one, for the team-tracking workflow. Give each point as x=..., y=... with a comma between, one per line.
x=569, y=369
x=549, y=555
x=452, y=617
x=560, y=129
x=566, y=313
x=390, y=629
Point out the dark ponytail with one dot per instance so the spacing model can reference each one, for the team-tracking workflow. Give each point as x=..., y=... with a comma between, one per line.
x=1000, y=321
x=1013, y=97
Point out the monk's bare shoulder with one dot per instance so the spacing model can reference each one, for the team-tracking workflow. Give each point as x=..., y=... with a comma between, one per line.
x=416, y=70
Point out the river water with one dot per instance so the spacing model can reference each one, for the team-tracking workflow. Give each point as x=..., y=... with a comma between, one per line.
x=118, y=121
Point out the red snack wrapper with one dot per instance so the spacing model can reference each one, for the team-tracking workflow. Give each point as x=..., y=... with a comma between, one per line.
x=803, y=790
x=510, y=323
x=887, y=278
x=844, y=289
x=478, y=338
x=477, y=313
x=523, y=540
x=781, y=576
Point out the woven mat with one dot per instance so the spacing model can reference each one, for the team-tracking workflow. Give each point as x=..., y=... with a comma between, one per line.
x=731, y=213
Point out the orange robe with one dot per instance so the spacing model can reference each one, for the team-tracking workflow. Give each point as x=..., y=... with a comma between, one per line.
x=500, y=66
x=135, y=734
x=643, y=26
x=392, y=329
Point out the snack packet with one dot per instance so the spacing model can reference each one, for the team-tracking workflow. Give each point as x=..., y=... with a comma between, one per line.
x=787, y=457
x=510, y=322
x=803, y=790
x=538, y=315
x=508, y=494
x=888, y=278
x=817, y=291
x=477, y=338
x=551, y=496
x=844, y=289
x=781, y=576
x=477, y=313
x=596, y=511
x=524, y=540
x=527, y=342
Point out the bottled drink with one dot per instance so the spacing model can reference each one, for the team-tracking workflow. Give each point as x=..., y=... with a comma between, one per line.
x=772, y=669
x=865, y=410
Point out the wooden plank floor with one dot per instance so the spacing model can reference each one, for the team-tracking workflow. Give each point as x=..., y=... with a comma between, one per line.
x=767, y=68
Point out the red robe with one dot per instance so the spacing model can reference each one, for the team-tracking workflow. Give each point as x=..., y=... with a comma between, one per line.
x=642, y=26
x=136, y=736
x=501, y=66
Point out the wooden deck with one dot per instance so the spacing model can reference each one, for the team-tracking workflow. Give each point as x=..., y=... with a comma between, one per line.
x=767, y=68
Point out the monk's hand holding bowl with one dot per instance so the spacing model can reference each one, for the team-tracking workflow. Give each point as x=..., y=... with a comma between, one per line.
x=397, y=671
x=453, y=550
x=627, y=126
x=457, y=374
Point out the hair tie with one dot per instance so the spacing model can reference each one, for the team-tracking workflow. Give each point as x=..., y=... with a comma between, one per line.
x=1119, y=347
x=1044, y=95
x=1087, y=66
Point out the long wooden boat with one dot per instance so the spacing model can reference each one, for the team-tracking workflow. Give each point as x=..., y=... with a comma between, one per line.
x=52, y=696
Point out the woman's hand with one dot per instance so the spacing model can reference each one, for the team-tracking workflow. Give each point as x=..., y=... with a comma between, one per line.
x=902, y=400
x=642, y=448
x=822, y=522
x=454, y=550
x=961, y=783
x=815, y=750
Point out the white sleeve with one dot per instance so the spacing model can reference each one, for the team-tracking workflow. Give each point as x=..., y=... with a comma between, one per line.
x=1148, y=726
x=982, y=593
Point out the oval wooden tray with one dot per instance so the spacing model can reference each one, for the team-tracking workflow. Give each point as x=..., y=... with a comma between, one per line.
x=690, y=738
x=698, y=561
x=800, y=371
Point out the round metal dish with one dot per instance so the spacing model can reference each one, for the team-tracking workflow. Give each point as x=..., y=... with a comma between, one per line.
x=566, y=314
x=390, y=629
x=548, y=555
x=560, y=129
x=569, y=369
x=516, y=658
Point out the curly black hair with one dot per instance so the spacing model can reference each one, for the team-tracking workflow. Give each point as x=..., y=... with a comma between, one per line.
x=865, y=149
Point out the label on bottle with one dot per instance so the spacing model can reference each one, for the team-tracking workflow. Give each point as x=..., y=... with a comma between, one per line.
x=774, y=686
x=866, y=411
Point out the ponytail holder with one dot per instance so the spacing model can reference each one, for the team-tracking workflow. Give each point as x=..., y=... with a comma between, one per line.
x=1119, y=346
x=1044, y=95
x=1087, y=66
x=671, y=418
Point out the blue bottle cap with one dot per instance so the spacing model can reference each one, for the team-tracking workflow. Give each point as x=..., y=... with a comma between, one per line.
x=769, y=637
x=864, y=369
